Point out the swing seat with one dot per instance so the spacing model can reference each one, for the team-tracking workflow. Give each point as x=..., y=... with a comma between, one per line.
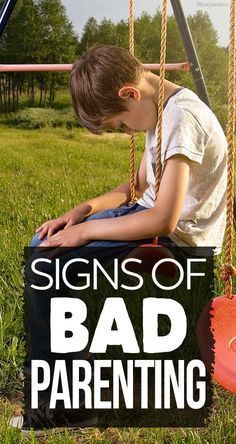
x=149, y=254
x=216, y=331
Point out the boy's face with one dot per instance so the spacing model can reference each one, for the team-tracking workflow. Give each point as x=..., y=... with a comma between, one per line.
x=141, y=114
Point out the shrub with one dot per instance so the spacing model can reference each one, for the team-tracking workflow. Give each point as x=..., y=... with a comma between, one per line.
x=35, y=118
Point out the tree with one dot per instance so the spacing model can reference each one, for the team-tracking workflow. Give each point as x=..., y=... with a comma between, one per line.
x=147, y=31
x=38, y=32
x=90, y=35
x=57, y=40
x=19, y=46
x=213, y=59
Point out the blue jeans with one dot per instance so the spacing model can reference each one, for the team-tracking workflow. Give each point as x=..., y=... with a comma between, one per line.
x=107, y=214
x=38, y=303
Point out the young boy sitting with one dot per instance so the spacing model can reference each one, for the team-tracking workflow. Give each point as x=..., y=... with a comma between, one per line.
x=111, y=90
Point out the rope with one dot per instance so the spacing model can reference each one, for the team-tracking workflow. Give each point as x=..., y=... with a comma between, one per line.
x=161, y=95
x=227, y=272
x=132, y=136
x=160, y=100
x=131, y=26
x=228, y=269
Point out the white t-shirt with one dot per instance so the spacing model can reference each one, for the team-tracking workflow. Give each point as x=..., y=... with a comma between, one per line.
x=190, y=128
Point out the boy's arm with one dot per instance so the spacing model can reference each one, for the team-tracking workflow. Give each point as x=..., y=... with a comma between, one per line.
x=159, y=220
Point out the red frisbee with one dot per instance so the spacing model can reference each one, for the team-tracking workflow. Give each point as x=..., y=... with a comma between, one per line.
x=216, y=331
x=149, y=254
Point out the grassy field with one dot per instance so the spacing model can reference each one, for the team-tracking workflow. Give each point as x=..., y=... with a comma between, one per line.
x=44, y=173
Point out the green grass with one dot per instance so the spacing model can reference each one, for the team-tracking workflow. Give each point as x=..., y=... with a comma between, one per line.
x=43, y=174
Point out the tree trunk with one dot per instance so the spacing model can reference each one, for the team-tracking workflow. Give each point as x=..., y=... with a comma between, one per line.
x=52, y=86
x=1, y=95
x=32, y=92
x=4, y=92
x=41, y=92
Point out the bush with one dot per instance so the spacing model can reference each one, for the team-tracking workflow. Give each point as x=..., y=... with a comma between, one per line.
x=35, y=118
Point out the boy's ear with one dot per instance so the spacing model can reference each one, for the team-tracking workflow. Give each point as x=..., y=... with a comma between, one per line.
x=129, y=92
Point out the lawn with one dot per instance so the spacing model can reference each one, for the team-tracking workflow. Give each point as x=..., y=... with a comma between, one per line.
x=44, y=173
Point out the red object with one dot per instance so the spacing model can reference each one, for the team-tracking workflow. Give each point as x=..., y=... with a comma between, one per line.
x=216, y=332
x=149, y=254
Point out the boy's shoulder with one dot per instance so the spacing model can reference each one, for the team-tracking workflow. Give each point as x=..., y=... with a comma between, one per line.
x=189, y=128
x=186, y=107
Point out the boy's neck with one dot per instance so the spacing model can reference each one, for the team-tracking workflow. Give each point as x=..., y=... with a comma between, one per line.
x=154, y=81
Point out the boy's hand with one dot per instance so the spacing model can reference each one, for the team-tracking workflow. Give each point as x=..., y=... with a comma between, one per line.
x=72, y=217
x=74, y=236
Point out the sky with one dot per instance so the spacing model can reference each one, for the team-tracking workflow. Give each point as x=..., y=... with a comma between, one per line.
x=79, y=11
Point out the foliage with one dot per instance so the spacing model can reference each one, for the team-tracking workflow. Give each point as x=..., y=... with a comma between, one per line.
x=213, y=58
x=33, y=118
x=40, y=32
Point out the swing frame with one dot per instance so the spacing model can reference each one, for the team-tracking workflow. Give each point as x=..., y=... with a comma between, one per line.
x=192, y=65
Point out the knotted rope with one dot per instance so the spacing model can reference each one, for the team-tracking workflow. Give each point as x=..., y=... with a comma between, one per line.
x=160, y=99
x=133, y=197
x=161, y=95
x=228, y=269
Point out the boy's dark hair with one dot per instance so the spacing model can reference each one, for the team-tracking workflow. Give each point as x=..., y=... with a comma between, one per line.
x=95, y=81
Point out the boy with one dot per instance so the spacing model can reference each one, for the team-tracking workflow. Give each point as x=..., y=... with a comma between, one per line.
x=111, y=90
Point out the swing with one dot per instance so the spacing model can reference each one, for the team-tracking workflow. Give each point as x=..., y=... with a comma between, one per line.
x=217, y=323
x=5, y=13
x=149, y=254
x=216, y=330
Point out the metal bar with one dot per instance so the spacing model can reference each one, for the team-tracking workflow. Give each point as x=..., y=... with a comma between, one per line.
x=5, y=13
x=191, y=52
x=184, y=66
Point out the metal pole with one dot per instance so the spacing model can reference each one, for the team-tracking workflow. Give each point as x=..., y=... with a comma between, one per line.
x=5, y=13
x=184, y=66
x=191, y=52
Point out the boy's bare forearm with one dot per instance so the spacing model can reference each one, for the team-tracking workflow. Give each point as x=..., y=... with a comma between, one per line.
x=113, y=199
x=142, y=225
x=145, y=224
